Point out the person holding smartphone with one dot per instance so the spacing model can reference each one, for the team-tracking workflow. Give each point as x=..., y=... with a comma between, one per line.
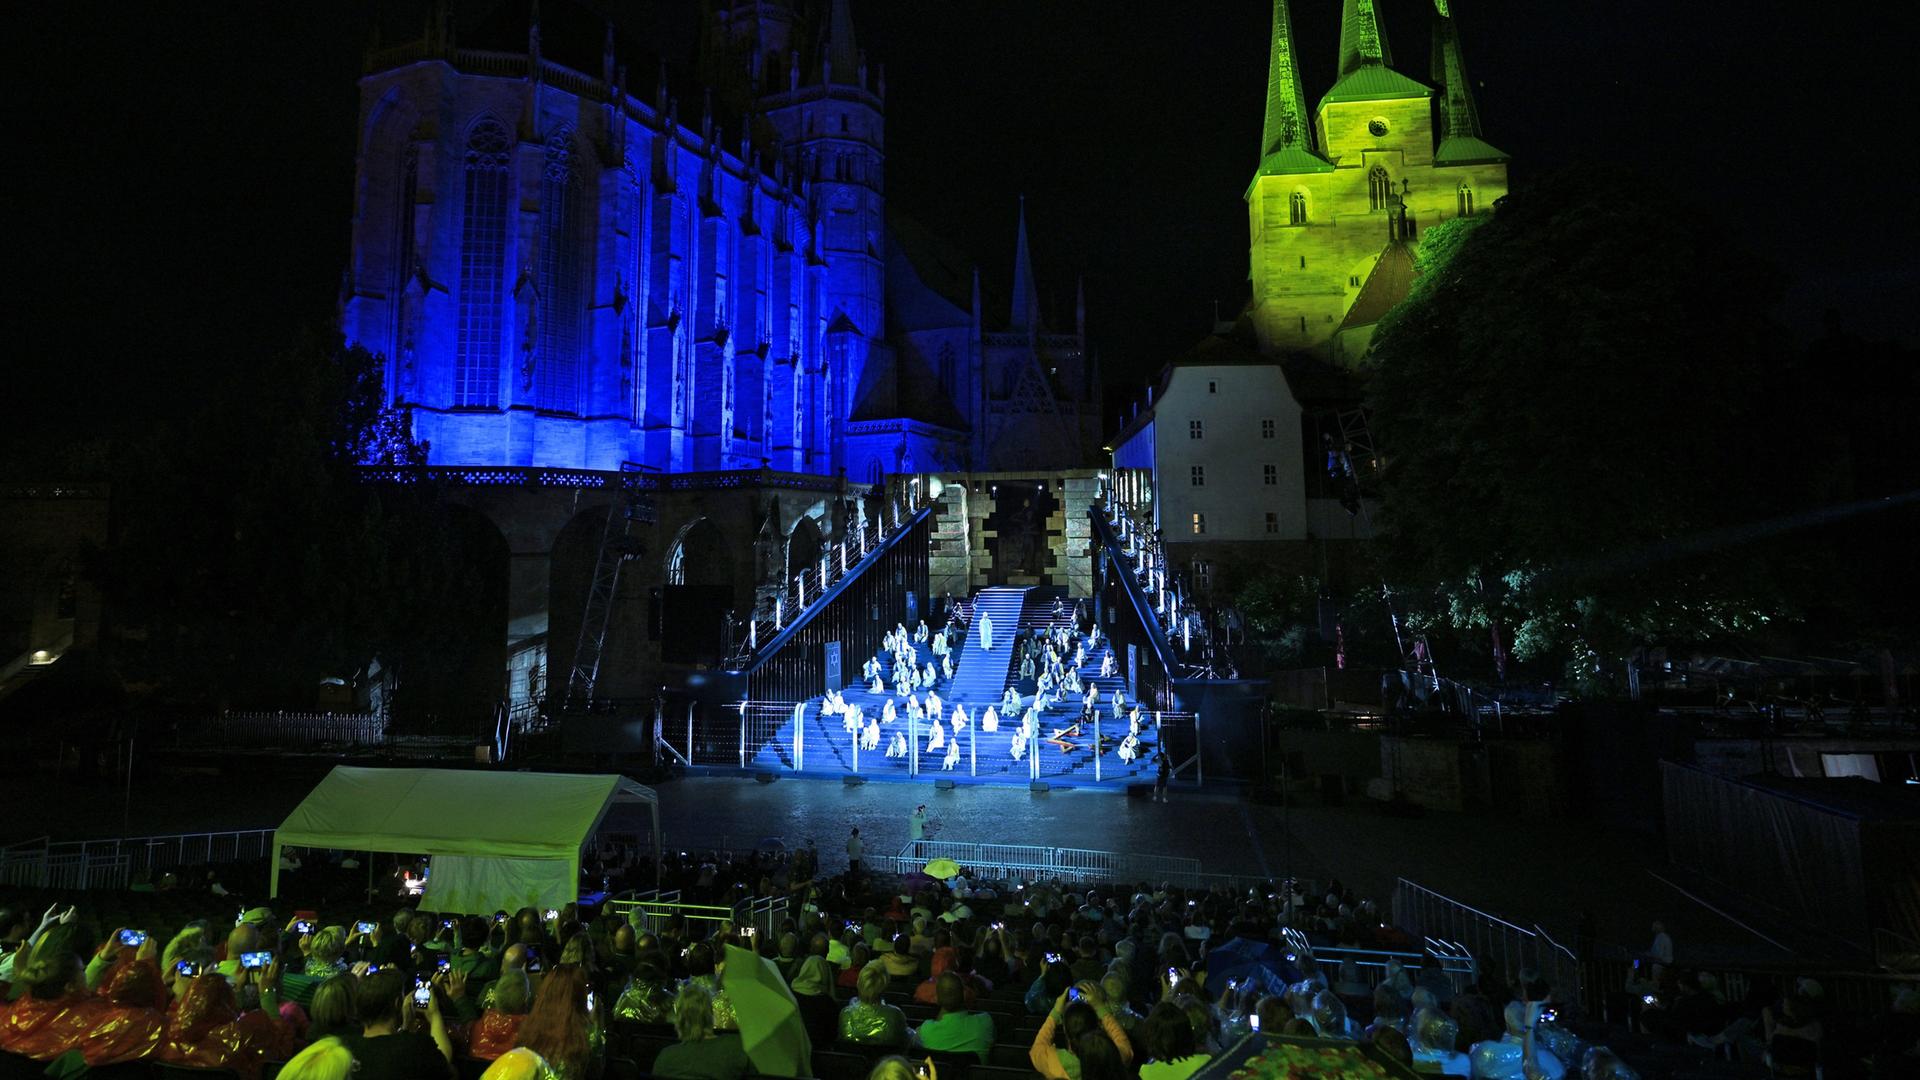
x=391, y=1044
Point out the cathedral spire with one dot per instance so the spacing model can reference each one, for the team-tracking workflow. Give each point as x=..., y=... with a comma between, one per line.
x=1026, y=298
x=1459, y=126
x=843, y=55
x=1287, y=127
x=1362, y=42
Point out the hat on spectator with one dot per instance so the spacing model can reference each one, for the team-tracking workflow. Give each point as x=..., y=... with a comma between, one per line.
x=259, y=916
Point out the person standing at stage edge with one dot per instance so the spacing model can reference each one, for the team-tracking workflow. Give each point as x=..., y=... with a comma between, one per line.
x=917, y=827
x=986, y=631
x=853, y=854
x=1161, y=775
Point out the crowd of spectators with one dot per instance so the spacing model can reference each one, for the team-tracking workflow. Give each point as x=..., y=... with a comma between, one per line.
x=1071, y=984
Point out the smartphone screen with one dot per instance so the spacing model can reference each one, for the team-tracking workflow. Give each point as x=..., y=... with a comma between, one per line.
x=133, y=937
x=442, y=964
x=303, y=926
x=256, y=960
x=1253, y=1021
x=421, y=996
x=187, y=969
x=364, y=927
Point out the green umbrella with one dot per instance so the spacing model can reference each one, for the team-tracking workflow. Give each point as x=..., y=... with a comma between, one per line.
x=942, y=869
x=770, y=1024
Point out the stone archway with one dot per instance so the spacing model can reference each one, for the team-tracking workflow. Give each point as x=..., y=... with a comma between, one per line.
x=698, y=599
x=804, y=546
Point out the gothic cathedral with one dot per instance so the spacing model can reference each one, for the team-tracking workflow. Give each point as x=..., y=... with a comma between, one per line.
x=1341, y=195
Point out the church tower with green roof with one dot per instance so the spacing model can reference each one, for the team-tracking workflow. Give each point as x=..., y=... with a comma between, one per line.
x=1340, y=195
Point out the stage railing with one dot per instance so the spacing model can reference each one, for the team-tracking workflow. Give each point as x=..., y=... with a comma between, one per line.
x=650, y=912
x=1034, y=861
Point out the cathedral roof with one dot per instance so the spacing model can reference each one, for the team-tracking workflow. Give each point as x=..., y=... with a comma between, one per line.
x=1465, y=150
x=1374, y=82
x=1293, y=159
x=904, y=387
x=1386, y=285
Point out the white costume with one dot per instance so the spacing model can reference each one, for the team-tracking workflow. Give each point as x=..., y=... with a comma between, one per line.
x=959, y=721
x=990, y=722
x=986, y=631
x=1106, y=666
x=888, y=714
x=1129, y=748
x=953, y=755
x=897, y=746
x=930, y=677
x=934, y=706
x=946, y=666
x=938, y=739
x=870, y=738
x=878, y=688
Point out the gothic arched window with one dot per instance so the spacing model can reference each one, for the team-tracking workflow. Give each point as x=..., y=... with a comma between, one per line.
x=483, y=265
x=1379, y=188
x=1297, y=208
x=1466, y=200
x=561, y=280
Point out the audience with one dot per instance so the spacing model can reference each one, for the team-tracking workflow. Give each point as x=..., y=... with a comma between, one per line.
x=326, y=1059
x=560, y=1028
x=390, y=1045
x=868, y=1020
x=955, y=1029
x=498, y=1029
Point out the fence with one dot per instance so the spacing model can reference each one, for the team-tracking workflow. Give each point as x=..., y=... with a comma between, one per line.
x=650, y=911
x=1449, y=924
x=112, y=864
x=287, y=730
x=1027, y=860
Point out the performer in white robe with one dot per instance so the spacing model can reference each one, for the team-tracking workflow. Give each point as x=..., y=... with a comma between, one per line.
x=986, y=631
x=878, y=688
x=1106, y=666
x=851, y=721
x=1129, y=748
x=1119, y=702
x=888, y=714
x=934, y=705
x=920, y=633
x=1010, y=701
x=1133, y=722
x=953, y=756
x=960, y=721
x=1079, y=655
x=870, y=737
x=1092, y=700
x=1018, y=748
x=914, y=708
x=990, y=720
x=938, y=739
x=897, y=746
x=930, y=676
x=946, y=667
x=1073, y=682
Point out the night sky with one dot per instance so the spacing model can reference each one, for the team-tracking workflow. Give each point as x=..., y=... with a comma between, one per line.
x=183, y=195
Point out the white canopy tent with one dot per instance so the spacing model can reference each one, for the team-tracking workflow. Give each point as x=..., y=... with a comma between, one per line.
x=497, y=840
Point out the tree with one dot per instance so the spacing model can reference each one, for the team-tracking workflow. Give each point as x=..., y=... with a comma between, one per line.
x=1578, y=389
x=249, y=560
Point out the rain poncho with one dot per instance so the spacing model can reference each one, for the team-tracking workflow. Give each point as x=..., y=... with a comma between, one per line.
x=208, y=1031
x=646, y=1003
x=493, y=1034
x=878, y=1024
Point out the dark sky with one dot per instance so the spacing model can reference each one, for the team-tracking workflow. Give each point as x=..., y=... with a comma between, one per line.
x=184, y=193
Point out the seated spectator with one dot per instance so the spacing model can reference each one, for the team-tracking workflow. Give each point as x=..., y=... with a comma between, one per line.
x=1087, y=965
x=901, y=963
x=1115, y=985
x=210, y=1031
x=700, y=971
x=559, y=1027
x=1166, y=1038
x=944, y=961
x=54, y=983
x=327, y=952
x=893, y=1067
x=129, y=1019
x=385, y=1048
x=701, y=1053
x=920, y=942
x=857, y=960
x=1505, y=1058
x=1391, y=1042
x=955, y=1029
x=1081, y=1041
x=1273, y=1012
x=1052, y=982
x=331, y=1014
x=327, y=1059
x=869, y=1021
x=789, y=958
x=647, y=998
x=498, y=1029
x=243, y=938
x=468, y=954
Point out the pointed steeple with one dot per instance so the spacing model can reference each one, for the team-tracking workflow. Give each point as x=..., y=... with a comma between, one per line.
x=1362, y=41
x=843, y=55
x=1286, y=139
x=1026, y=299
x=1459, y=121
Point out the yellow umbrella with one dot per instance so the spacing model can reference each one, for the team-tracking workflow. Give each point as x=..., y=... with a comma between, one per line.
x=770, y=1026
x=943, y=869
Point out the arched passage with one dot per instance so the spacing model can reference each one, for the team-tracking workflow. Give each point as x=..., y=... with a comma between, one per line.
x=804, y=546
x=697, y=595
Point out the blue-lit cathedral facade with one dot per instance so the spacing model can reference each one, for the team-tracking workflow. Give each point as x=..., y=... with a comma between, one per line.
x=569, y=275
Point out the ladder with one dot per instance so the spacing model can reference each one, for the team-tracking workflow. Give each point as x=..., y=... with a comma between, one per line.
x=617, y=545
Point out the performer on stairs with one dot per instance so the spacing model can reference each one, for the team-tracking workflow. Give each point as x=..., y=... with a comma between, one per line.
x=986, y=631
x=990, y=721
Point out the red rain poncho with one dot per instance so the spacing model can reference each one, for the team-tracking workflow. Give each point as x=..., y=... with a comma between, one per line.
x=493, y=1034
x=209, y=1031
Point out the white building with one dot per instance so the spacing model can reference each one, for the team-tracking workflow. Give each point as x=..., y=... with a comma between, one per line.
x=1227, y=460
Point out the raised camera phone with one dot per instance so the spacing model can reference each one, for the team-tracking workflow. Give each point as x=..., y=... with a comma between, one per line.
x=303, y=926
x=553, y=913
x=1053, y=958
x=364, y=927
x=1073, y=993
x=443, y=964
x=135, y=938
x=254, y=961
x=187, y=969
x=1549, y=1014
x=422, y=995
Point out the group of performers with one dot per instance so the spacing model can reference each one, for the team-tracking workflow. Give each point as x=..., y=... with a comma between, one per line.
x=1052, y=659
